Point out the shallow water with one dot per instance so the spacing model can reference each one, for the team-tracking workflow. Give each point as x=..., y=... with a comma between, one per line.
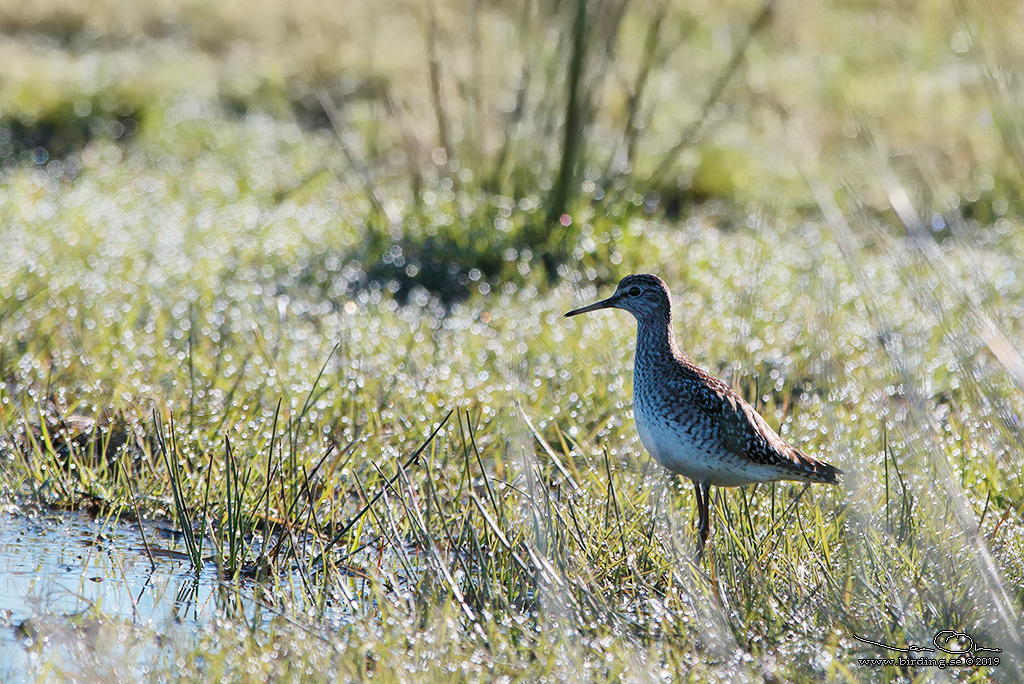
x=63, y=574
x=71, y=565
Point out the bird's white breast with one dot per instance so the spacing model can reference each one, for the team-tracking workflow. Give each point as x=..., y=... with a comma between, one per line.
x=691, y=451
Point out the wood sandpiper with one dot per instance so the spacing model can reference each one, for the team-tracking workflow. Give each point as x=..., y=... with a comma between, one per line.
x=691, y=422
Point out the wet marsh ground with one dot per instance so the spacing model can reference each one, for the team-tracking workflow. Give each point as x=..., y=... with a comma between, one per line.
x=253, y=260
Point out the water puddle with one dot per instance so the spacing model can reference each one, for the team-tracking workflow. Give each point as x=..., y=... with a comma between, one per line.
x=72, y=565
x=63, y=574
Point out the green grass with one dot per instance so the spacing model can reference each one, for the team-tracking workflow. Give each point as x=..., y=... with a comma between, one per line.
x=226, y=292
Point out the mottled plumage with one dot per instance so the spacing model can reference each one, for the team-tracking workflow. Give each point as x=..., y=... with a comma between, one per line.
x=691, y=422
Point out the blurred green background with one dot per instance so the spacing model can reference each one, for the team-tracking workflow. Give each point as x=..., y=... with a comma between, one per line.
x=461, y=132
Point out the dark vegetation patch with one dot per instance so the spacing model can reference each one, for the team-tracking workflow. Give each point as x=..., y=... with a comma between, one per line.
x=303, y=100
x=500, y=247
x=58, y=132
x=64, y=27
x=69, y=437
x=444, y=256
x=309, y=110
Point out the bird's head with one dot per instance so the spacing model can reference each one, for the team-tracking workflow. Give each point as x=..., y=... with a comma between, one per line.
x=643, y=295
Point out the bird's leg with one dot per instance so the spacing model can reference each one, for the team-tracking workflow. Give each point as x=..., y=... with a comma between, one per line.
x=700, y=504
x=703, y=492
x=705, y=528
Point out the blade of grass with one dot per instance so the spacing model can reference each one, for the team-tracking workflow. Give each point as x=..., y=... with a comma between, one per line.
x=355, y=519
x=138, y=516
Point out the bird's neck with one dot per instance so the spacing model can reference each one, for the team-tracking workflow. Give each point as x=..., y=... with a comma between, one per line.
x=655, y=342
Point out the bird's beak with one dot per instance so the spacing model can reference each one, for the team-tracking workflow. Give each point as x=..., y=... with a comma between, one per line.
x=603, y=304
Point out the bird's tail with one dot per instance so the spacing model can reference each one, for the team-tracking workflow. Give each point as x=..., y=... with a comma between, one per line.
x=814, y=470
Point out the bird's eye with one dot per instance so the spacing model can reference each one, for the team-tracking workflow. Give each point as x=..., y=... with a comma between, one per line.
x=634, y=292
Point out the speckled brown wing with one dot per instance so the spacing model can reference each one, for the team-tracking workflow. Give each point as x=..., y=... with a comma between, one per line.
x=745, y=433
